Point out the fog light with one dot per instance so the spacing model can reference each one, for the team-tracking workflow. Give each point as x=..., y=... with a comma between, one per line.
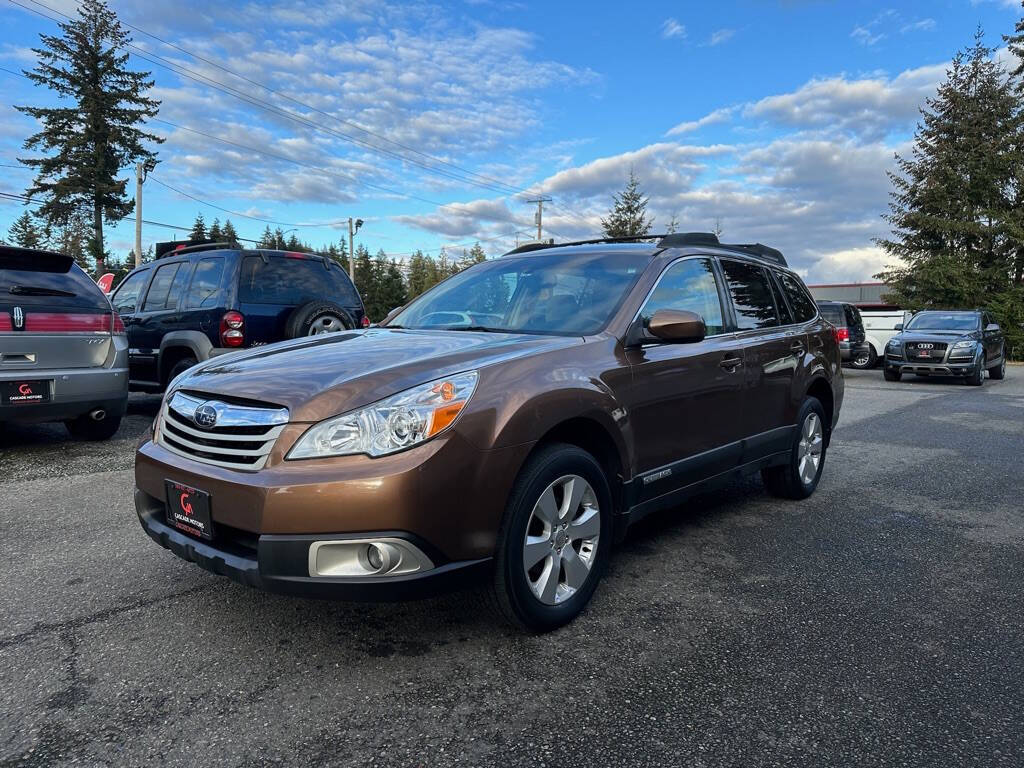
x=368, y=557
x=374, y=557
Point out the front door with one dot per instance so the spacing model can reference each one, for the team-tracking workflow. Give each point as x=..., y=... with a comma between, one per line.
x=126, y=300
x=157, y=316
x=685, y=405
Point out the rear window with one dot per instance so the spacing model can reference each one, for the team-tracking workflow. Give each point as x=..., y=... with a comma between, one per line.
x=37, y=280
x=282, y=280
x=853, y=316
x=751, y=295
x=205, y=287
x=834, y=314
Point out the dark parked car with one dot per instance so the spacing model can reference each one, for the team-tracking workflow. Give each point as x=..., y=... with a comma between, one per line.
x=195, y=302
x=63, y=353
x=962, y=343
x=853, y=342
x=505, y=426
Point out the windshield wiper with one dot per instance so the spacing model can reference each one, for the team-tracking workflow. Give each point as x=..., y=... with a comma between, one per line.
x=32, y=290
x=479, y=328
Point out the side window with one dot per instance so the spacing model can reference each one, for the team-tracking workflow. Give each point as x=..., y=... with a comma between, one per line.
x=751, y=295
x=780, y=302
x=178, y=285
x=156, y=297
x=205, y=283
x=803, y=305
x=688, y=285
x=834, y=315
x=126, y=297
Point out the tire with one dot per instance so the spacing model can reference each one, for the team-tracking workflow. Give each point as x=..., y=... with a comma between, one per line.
x=86, y=428
x=977, y=376
x=870, y=360
x=998, y=372
x=891, y=375
x=179, y=368
x=799, y=476
x=316, y=317
x=526, y=597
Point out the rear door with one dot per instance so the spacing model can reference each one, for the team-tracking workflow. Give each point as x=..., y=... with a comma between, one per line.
x=52, y=315
x=686, y=402
x=158, y=314
x=855, y=324
x=992, y=340
x=772, y=353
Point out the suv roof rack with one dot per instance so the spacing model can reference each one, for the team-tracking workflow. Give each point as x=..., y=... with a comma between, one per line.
x=174, y=247
x=671, y=240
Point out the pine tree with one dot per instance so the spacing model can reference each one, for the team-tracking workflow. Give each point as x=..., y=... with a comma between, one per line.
x=1015, y=43
x=266, y=239
x=215, y=232
x=956, y=227
x=365, y=275
x=24, y=232
x=628, y=216
x=198, y=228
x=228, y=233
x=96, y=135
x=418, y=277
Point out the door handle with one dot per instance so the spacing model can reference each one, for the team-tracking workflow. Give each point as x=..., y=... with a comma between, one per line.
x=731, y=363
x=797, y=347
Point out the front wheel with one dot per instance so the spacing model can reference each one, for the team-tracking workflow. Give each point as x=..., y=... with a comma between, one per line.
x=892, y=374
x=799, y=476
x=998, y=373
x=977, y=376
x=555, y=539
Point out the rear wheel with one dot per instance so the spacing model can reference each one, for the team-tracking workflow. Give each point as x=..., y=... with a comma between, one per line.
x=798, y=478
x=85, y=427
x=998, y=372
x=555, y=539
x=315, y=318
x=892, y=374
x=865, y=360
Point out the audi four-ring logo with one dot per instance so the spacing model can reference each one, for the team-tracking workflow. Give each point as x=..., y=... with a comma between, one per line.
x=205, y=416
x=926, y=346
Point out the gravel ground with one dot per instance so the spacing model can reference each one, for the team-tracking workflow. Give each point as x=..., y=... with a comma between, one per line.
x=878, y=623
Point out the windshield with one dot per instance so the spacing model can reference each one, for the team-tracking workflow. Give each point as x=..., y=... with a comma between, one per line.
x=943, y=321
x=565, y=294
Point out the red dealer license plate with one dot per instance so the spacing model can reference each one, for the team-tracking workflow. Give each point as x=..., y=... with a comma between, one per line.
x=188, y=509
x=26, y=392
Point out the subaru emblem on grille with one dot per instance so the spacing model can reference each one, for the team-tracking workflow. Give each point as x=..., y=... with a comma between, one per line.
x=205, y=416
x=19, y=318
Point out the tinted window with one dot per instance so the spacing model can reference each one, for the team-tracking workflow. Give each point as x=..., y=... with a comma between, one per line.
x=834, y=314
x=803, y=305
x=31, y=279
x=160, y=288
x=751, y=295
x=127, y=294
x=281, y=280
x=572, y=291
x=689, y=285
x=852, y=316
x=780, y=304
x=178, y=285
x=205, y=283
x=943, y=321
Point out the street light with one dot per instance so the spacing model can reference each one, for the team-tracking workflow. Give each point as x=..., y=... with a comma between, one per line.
x=353, y=227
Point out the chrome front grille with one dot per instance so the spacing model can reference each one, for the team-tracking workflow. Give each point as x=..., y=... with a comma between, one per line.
x=225, y=434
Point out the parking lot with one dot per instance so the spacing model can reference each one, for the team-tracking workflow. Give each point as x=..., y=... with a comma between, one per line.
x=877, y=623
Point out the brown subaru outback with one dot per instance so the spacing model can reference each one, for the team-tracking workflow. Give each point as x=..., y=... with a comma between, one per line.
x=506, y=426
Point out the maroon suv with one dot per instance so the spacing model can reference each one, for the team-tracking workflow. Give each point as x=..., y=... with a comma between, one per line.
x=506, y=426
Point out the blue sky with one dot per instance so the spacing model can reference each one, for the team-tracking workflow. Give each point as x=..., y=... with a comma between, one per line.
x=777, y=119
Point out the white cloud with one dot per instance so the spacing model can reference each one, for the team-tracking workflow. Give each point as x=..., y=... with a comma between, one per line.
x=849, y=265
x=923, y=25
x=671, y=28
x=865, y=36
x=720, y=36
x=717, y=116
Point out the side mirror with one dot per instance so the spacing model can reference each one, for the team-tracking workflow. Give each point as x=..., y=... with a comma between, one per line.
x=678, y=326
x=898, y=327
x=387, y=318
x=991, y=327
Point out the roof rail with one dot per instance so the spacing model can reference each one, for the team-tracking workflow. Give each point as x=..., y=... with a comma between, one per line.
x=595, y=241
x=761, y=251
x=676, y=239
x=173, y=248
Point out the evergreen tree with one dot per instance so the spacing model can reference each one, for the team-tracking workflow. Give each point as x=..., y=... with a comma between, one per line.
x=266, y=239
x=228, y=233
x=418, y=275
x=279, y=241
x=956, y=223
x=215, y=233
x=198, y=228
x=26, y=233
x=365, y=276
x=98, y=133
x=628, y=216
x=1015, y=43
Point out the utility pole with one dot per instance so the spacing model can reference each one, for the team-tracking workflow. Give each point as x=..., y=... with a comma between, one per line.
x=539, y=216
x=351, y=248
x=138, y=213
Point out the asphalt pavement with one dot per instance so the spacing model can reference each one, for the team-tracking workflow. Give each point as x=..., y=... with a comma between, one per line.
x=877, y=623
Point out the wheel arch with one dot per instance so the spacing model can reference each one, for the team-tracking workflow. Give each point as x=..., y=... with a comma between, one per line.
x=821, y=388
x=180, y=344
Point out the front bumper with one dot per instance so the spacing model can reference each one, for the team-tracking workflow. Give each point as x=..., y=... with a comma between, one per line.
x=280, y=563
x=956, y=367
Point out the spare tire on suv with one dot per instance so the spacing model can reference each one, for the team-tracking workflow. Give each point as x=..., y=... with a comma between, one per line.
x=316, y=317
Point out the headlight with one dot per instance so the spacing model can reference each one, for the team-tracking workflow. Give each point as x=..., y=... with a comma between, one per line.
x=400, y=421
x=895, y=343
x=964, y=345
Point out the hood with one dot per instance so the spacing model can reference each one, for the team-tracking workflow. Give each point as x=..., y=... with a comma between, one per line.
x=322, y=376
x=946, y=336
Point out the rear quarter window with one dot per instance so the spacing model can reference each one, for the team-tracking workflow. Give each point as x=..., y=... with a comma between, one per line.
x=804, y=308
x=751, y=294
x=290, y=282
x=205, y=287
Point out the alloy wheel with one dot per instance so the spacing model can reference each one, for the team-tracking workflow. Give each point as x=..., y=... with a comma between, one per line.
x=809, y=449
x=561, y=539
x=326, y=324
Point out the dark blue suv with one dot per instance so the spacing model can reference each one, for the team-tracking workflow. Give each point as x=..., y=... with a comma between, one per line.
x=199, y=300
